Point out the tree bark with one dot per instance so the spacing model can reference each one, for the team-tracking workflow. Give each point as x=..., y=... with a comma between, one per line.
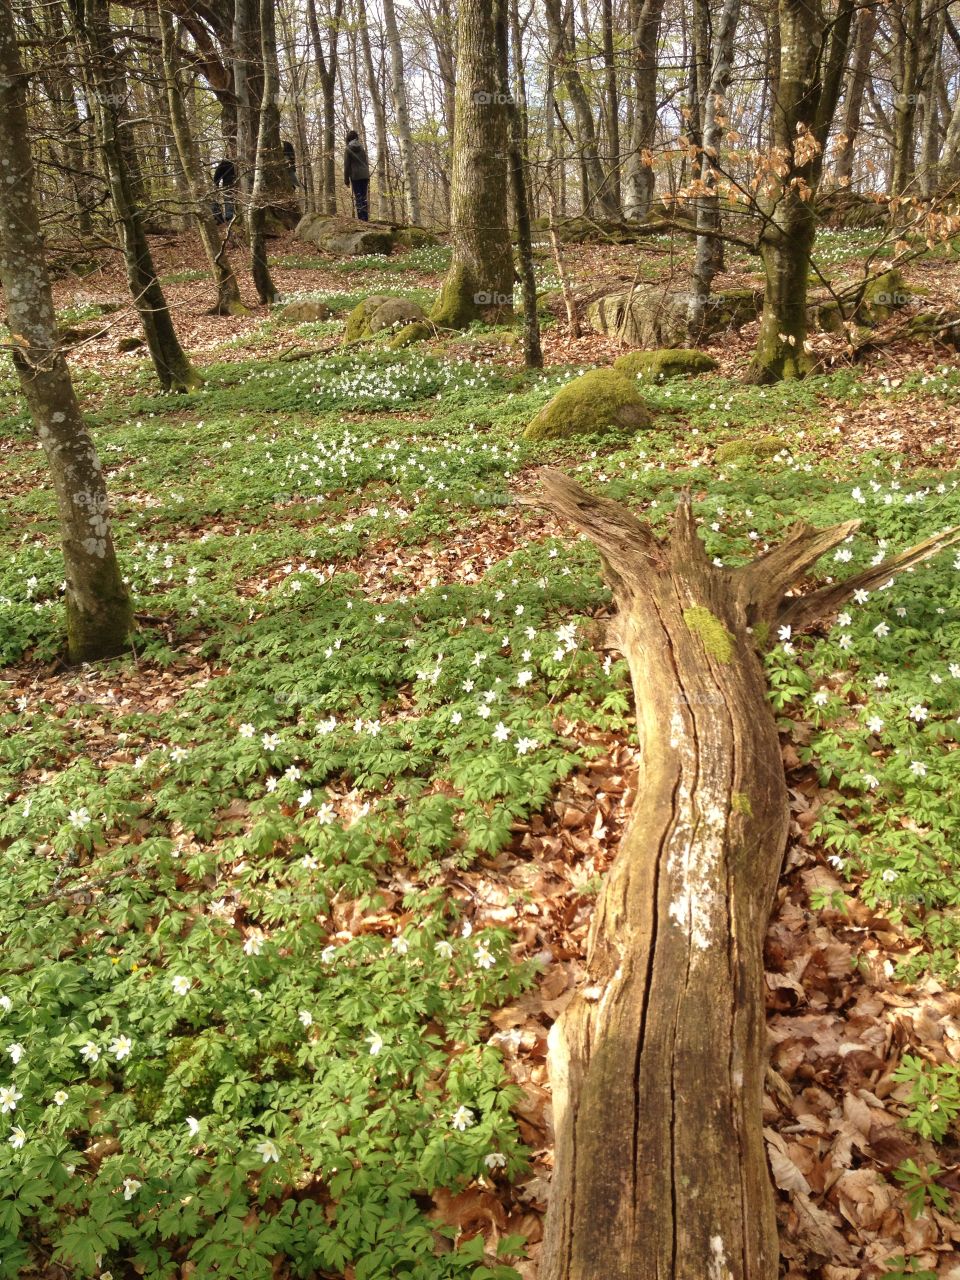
x=640, y=180
x=532, y=353
x=269, y=127
x=561, y=55
x=479, y=282
x=408, y=159
x=812, y=57
x=98, y=607
x=384, y=194
x=327, y=72
x=174, y=370
x=706, y=258
x=229, y=302
x=907, y=24
x=611, y=104
x=854, y=91
x=658, y=1063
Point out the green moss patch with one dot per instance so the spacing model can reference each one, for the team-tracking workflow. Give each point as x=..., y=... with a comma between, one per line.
x=748, y=450
x=599, y=401
x=657, y=366
x=714, y=636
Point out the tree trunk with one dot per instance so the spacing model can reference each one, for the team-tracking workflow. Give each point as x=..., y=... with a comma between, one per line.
x=854, y=92
x=658, y=1063
x=384, y=201
x=520, y=97
x=907, y=25
x=229, y=302
x=597, y=185
x=930, y=133
x=811, y=61
x=532, y=353
x=174, y=370
x=479, y=282
x=408, y=159
x=327, y=72
x=98, y=607
x=640, y=182
x=269, y=127
x=612, y=99
x=706, y=263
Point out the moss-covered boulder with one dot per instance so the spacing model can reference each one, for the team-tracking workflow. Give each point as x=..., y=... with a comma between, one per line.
x=414, y=237
x=379, y=313
x=648, y=316
x=130, y=344
x=345, y=237
x=418, y=331
x=71, y=335
x=304, y=312
x=942, y=327
x=669, y=362
x=881, y=297
x=599, y=401
x=749, y=450
x=394, y=313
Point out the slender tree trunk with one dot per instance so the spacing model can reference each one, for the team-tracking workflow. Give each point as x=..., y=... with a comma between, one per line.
x=63, y=94
x=930, y=134
x=229, y=302
x=569, y=302
x=479, y=282
x=169, y=359
x=611, y=99
x=597, y=187
x=708, y=206
x=327, y=72
x=658, y=1063
x=382, y=168
x=532, y=353
x=98, y=607
x=408, y=158
x=640, y=180
x=520, y=97
x=908, y=26
x=854, y=92
x=269, y=126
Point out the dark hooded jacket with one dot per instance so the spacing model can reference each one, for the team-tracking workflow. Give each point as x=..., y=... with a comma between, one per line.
x=356, y=166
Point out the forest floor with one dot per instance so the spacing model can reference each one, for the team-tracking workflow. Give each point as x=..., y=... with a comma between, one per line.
x=291, y=898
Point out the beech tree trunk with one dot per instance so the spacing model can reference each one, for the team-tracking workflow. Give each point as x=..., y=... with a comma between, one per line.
x=382, y=167
x=706, y=257
x=595, y=181
x=854, y=92
x=479, y=282
x=327, y=73
x=98, y=606
x=408, y=159
x=640, y=179
x=812, y=57
x=269, y=127
x=173, y=367
x=229, y=302
x=658, y=1063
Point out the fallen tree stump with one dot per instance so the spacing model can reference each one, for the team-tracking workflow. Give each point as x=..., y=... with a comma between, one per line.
x=658, y=1063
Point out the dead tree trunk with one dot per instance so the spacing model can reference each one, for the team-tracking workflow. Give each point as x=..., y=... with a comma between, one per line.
x=658, y=1064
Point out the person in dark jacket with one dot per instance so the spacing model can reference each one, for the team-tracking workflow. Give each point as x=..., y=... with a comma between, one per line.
x=356, y=174
x=225, y=184
x=290, y=156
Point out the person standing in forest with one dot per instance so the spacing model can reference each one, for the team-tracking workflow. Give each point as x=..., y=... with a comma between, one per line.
x=225, y=185
x=356, y=174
